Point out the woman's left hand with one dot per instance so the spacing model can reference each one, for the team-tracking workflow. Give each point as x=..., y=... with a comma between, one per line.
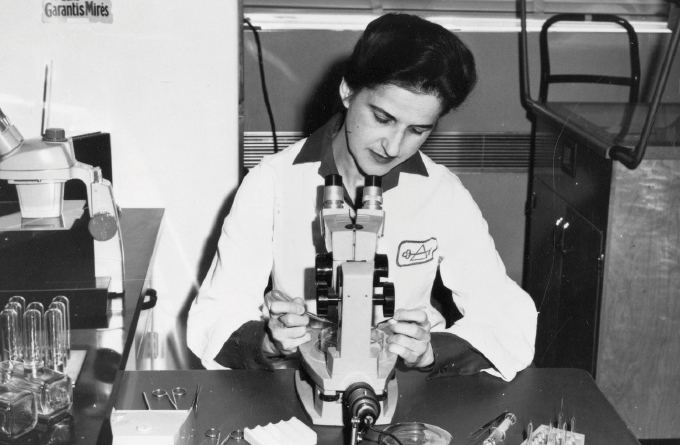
x=410, y=338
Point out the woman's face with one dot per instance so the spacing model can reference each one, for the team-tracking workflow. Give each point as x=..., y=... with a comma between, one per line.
x=387, y=125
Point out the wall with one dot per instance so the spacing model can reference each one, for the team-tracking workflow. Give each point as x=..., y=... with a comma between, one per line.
x=302, y=81
x=162, y=79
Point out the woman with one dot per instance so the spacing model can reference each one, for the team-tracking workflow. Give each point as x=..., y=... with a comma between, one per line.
x=403, y=75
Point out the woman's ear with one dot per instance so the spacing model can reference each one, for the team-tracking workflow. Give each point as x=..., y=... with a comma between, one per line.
x=345, y=93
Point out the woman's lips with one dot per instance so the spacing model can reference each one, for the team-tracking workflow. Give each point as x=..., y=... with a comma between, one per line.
x=380, y=159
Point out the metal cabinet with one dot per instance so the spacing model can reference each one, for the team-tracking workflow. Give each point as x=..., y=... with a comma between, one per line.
x=564, y=279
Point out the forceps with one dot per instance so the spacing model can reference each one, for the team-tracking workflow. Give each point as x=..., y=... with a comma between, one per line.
x=176, y=392
x=277, y=295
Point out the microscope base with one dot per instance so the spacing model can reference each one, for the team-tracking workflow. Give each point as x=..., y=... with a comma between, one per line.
x=332, y=413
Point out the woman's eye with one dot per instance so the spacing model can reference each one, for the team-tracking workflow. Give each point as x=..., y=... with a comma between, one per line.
x=417, y=131
x=380, y=120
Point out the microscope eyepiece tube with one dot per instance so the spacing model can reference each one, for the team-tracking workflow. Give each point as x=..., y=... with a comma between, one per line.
x=373, y=181
x=333, y=180
x=333, y=193
x=10, y=138
x=372, y=193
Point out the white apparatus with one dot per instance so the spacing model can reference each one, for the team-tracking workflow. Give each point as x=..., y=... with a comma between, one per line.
x=353, y=375
x=39, y=168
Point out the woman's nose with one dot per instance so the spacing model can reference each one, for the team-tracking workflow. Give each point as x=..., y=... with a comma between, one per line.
x=392, y=144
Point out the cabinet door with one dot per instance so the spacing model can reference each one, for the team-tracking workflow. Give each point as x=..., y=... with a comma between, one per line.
x=564, y=281
x=581, y=247
x=544, y=269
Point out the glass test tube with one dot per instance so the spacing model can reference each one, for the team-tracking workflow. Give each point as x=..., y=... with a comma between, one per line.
x=33, y=341
x=18, y=407
x=67, y=323
x=37, y=306
x=10, y=336
x=18, y=299
x=53, y=390
x=61, y=308
x=55, y=349
x=16, y=307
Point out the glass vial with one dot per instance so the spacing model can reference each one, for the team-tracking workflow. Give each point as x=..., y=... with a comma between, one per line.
x=53, y=390
x=18, y=412
x=55, y=348
x=67, y=322
x=10, y=336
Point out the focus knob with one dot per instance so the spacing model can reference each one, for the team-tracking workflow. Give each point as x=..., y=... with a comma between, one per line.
x=324, y=268
x=322, y=301
x=388, y=299
x=381, y=269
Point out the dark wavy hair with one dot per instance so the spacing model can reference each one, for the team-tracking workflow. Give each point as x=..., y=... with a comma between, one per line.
x=412, y=53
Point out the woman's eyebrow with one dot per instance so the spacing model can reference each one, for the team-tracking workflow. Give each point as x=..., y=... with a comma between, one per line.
x=376, y=108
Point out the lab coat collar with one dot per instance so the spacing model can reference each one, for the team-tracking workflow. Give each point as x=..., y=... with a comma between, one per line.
x=318, y=148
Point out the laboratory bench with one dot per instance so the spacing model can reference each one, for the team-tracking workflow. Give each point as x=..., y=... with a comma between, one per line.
x=106, y=349
x=238, y=399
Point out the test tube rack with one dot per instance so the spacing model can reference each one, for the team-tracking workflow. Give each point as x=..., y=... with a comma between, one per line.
x=545, y=435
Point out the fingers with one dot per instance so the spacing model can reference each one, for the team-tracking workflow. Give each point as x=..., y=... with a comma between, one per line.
x=288, y=325
x=421, y=356
x=412, y=315
x=287, y=307
x=287, y=340
x=410, y=337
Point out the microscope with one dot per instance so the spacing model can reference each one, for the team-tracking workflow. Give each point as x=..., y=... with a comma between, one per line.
x=347, y=374
x=39, y=168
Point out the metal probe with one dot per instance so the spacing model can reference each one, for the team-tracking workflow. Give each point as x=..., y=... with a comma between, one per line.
x=277, y=295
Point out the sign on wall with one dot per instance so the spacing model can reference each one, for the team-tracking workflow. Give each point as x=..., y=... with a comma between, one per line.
x=77, y=11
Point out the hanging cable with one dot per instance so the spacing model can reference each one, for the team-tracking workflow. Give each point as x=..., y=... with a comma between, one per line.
x=264, y=84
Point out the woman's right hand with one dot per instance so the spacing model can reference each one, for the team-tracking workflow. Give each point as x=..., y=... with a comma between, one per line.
x=287, y=328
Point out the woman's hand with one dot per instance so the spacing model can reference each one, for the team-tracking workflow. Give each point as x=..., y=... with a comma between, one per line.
x=287, y=328
x=410, y=338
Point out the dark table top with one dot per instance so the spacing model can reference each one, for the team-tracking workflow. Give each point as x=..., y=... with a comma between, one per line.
x=238, y=399
x=107, y=349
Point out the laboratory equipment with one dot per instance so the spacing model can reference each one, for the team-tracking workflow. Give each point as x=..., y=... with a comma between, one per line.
x=68, y=244
x=56, y=351
x=18, y=411
x=52, y=389
x=55, y=348
x=285, y=432
x=8, y=336
x=547, y=434
x=414, y=433
x=498, y=432
x=276, y=295
x=487, y=426
x=12, y=333
x=178, y=392
x=194, y=403
x=355, y=376
x=160, y=393
x=214, y=435
x=66, y=311
x=38, y=306
x=160, y=427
